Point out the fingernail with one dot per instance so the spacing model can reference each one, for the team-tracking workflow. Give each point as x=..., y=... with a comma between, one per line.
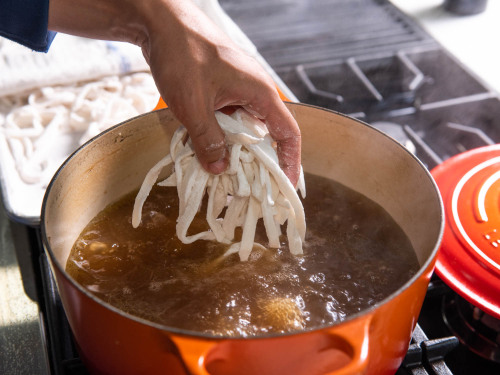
x=218, y=167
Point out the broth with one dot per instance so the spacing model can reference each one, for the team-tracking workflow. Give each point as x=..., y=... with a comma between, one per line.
x=354, y=256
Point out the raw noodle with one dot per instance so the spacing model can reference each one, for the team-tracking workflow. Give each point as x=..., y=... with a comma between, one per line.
x=38, y=125
x=253, y=187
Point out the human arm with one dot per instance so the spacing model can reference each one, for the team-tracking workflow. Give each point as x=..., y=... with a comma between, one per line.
x=196, y=67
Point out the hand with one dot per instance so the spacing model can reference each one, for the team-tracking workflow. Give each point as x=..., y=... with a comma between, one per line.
x=196, y=67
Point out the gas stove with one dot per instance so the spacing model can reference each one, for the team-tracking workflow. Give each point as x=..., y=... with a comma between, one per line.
x=367, y=59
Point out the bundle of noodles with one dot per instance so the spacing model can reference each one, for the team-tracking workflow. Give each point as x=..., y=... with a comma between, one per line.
x=253, y=187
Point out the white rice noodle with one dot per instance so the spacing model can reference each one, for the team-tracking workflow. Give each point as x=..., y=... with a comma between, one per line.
x=44, y=126
x=234, y=159
x=253, y=187
x=146, y=187
x=234, y=211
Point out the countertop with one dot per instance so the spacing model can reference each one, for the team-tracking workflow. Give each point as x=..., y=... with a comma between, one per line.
x=21, y=350
x=472, y=39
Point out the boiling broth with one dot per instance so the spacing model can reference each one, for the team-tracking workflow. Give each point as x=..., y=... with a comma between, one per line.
x=354, y=256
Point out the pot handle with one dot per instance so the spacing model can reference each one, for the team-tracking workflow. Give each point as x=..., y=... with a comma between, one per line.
x=356, y=334
x=193, y=352
x=352, y=338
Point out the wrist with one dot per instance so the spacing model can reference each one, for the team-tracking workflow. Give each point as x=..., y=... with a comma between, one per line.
x=117, y=20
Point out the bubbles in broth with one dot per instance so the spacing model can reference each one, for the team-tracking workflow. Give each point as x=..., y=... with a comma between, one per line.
x=354, y=256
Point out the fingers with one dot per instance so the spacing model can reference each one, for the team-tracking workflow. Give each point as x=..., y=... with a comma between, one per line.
x=209, y=141
x=284, y=130
x=207, y=137
x=257, y=93
x=209, y=144
x=206, y=72
x=289, y=149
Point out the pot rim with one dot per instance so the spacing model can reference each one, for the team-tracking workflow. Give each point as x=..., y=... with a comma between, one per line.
x=427, y=265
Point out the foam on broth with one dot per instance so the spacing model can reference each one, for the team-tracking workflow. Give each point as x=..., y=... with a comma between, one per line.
x=354, y=256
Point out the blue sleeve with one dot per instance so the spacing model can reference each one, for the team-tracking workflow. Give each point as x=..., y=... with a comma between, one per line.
x=26, y=22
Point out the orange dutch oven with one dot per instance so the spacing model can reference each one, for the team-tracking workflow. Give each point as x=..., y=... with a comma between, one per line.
x=373, y=341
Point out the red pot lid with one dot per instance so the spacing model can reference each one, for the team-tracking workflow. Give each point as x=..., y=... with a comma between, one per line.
x=469, y=258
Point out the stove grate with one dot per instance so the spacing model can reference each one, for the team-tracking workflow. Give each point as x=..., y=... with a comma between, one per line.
x=289, y=32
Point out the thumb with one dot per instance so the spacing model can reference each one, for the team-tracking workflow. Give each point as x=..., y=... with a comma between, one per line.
x=208, y=141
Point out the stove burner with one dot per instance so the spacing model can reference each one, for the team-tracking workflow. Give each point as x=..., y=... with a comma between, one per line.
x=474, y=328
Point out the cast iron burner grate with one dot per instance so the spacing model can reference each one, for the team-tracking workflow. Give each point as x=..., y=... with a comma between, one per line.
x=384, y=84
x=433, y=320
x=293, y=32
x=320, y=50
x=426, y=356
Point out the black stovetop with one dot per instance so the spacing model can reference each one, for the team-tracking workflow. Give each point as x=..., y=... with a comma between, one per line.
x=367, y=59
